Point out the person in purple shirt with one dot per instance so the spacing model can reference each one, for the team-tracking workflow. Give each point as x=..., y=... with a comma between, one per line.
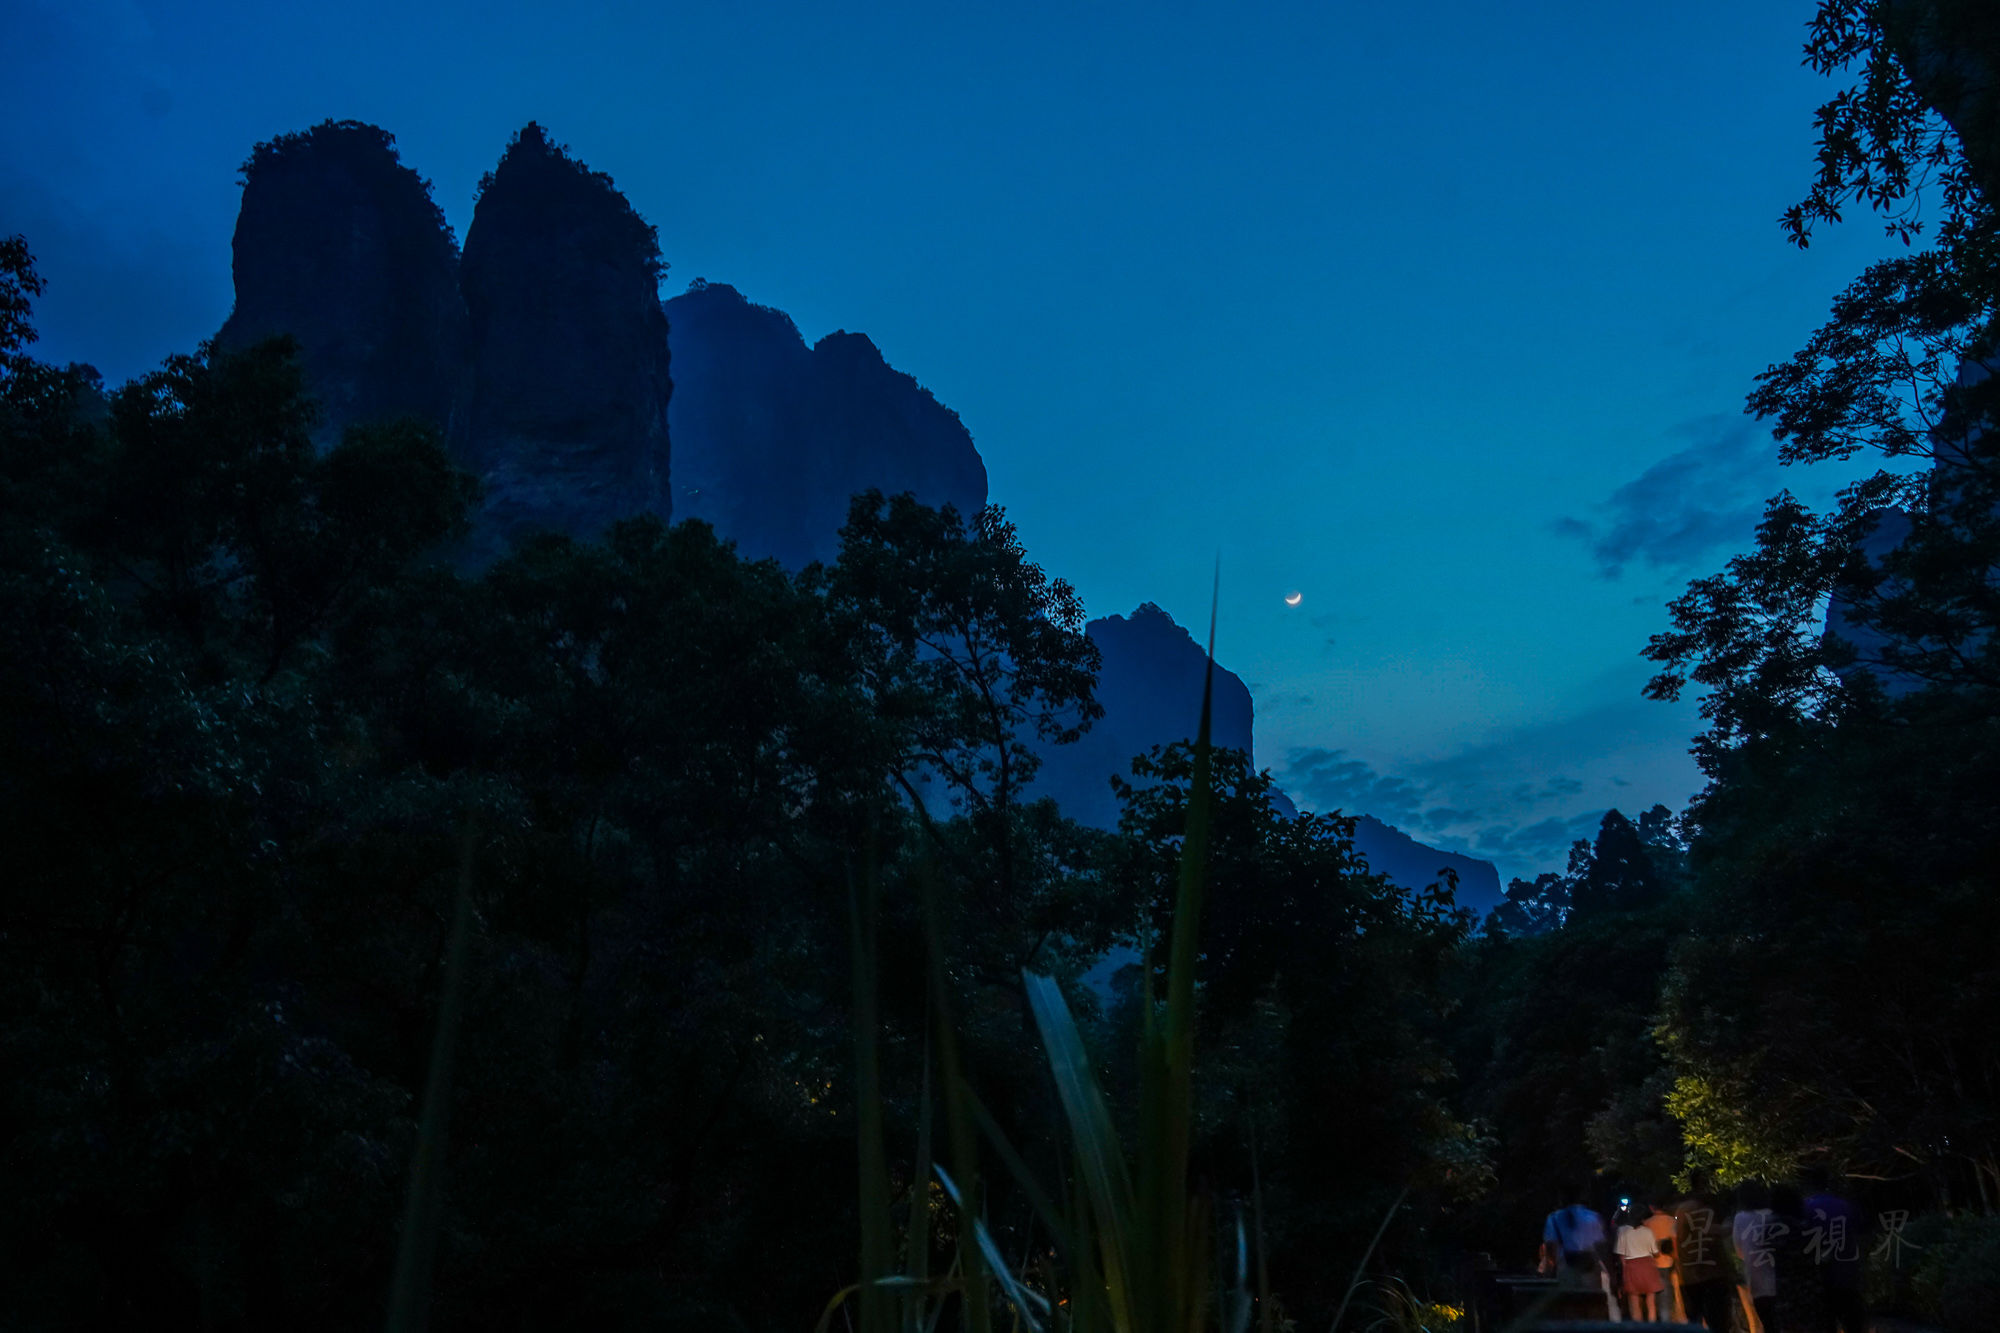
x=1832, y=1238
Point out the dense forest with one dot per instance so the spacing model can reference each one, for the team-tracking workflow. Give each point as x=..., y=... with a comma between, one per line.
x=372, y=893
x=251, y=719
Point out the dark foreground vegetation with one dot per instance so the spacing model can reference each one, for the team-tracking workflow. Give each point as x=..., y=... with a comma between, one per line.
x=249, y=715
x=257, y=700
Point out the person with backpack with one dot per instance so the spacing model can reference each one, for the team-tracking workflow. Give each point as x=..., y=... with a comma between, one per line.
x=1574, y=1247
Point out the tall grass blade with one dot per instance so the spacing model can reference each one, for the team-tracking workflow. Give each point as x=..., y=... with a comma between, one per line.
x=832, y=1306
x=1087, y=1306
x=1100, y=1163
x=917, y=1236
x=1166, y=1112
x=864, y=902
x=409, y=1291
x=1361, y=1266
x=1138, y=1242
x=950, y=1282
x=958, y=1120
x=1188, y=1289
x=1237, y=1307
x=1267, y=1313
x=1139, y=1250
x=1025, y=1302
x=1045, y=1207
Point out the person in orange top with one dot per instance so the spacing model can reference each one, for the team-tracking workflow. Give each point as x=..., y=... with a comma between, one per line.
x=1661, y=1223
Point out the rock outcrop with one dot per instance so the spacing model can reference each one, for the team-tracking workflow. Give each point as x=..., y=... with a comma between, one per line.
x=771, y=438
x=543, y=353
x=1413, y=865
x=566, y=413
x=339, y=245
x=1149, y=682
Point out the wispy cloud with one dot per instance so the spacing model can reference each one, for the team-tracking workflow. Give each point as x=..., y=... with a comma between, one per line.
x=1521, y=797
x=1335, y=780
x=1684, y=507
x=1511, y=836
x=1544, y=843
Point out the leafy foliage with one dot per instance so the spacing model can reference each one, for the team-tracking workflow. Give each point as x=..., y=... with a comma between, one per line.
x=1816, y=1010
x=1324, y=996
x=1885, y=139
x=19, y=285
x=1882, y=377
x=247, y=711
x=365, y=150
x=1560, y=998
x=549, y=178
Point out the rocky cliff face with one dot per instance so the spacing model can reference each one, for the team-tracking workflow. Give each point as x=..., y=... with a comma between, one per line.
x=566, y=413
x=772, y=438
x=1150, y=687
x=1149, y=683
x=742, y=374
x=543, y=353
x=1413, y=865
x=340, y=245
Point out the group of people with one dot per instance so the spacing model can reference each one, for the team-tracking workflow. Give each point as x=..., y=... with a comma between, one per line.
x=1768, y=1262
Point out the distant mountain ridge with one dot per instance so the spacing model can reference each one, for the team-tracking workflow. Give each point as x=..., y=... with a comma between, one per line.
x=772, y=437
x=1413, y=864
x=1149, y=681
x=545, y=355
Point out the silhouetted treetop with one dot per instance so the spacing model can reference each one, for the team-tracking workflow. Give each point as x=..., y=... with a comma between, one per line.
x=19, y=285
x=543, y=176
x=366, y=152
x=1921, y=112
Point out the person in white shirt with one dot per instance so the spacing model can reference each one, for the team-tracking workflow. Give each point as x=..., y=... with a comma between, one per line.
x=1638, y=1254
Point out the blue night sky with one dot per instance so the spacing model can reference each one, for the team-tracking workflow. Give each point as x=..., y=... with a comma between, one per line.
x=1442, y=317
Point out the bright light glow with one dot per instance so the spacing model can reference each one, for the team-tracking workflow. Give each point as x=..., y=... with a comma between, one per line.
x=1294, y=598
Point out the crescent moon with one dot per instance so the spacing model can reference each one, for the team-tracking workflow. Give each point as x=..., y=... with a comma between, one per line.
x=1294, y=598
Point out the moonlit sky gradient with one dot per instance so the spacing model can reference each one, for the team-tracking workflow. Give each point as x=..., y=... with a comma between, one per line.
x=1442, y=317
